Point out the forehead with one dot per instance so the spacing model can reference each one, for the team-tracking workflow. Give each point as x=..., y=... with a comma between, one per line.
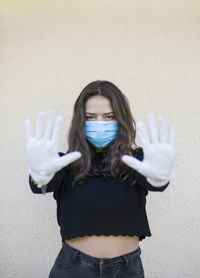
x=97, y=104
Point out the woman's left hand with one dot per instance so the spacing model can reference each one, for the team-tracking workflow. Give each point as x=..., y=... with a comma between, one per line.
x=159, y=153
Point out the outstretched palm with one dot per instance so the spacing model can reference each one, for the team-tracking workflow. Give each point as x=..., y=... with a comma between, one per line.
x=159, y=152
x=42, y=149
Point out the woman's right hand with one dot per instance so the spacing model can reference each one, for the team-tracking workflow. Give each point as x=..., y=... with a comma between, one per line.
x=42, y=149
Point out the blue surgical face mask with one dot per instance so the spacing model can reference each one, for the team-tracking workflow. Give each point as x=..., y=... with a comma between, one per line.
x=101, y=133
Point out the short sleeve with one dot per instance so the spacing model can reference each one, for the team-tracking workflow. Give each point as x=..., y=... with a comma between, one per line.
x=54, y=183
x=142, y=181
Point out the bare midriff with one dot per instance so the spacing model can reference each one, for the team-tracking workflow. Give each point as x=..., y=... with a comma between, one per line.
x=105, y=246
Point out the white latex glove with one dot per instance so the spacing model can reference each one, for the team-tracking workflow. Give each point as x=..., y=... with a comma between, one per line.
x=159, y=154
x=42, y=149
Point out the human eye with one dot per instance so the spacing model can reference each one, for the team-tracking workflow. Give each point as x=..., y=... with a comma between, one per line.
x=110, y=117
x=89, y=117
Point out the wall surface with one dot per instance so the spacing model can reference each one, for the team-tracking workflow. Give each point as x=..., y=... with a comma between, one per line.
x=49, y=51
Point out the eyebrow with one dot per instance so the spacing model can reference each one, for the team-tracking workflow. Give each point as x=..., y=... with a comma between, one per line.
x=95, y=114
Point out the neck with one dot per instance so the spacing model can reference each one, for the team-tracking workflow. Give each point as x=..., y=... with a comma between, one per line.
x=99, y=150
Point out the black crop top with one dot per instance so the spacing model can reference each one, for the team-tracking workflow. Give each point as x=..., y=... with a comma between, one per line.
x=100, y=205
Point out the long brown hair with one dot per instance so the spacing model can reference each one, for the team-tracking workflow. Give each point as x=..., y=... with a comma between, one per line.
x=124, y=143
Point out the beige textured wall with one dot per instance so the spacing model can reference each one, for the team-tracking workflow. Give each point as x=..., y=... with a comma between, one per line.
x=49, y=50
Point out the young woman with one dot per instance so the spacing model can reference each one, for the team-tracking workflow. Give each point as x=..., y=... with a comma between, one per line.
x=101, y=183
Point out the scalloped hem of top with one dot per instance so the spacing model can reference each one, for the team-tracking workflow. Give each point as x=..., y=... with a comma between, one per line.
x=141, y=237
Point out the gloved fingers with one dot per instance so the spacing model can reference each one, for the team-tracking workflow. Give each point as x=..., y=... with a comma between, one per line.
x=153, y=133
x=132, y=162
x=28, y=130
x=39, y=125
x=142, y=134
x=49, y=125
x=171, y=135
x=68, y=158
x=56, y=131
x=61, y=162
x=161, y=130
